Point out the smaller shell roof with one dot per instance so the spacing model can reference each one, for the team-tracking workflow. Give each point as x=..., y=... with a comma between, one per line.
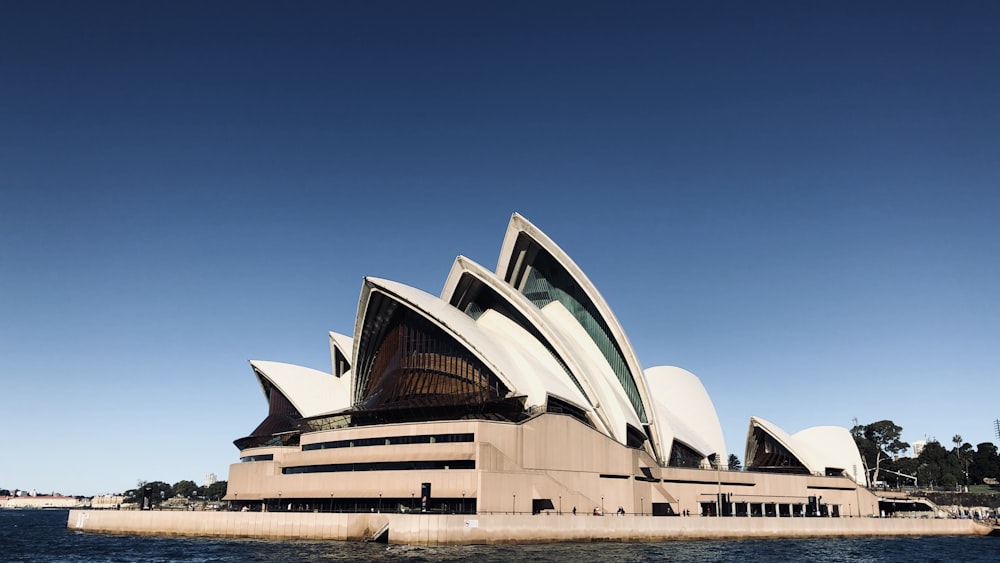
x=311, y=392
x=817, y=448
x=343, y=342
x=801, y=451
x=835, y=447
x=684, y=407
x=345, y=346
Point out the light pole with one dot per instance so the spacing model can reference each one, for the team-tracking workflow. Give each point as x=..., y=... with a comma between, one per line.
x=279, y=501
x=463, y=502
x=602, y=505
x=411, y=501
x=718, y=475
x=380, y=502
x=513, y=503
x=560, y=504
x=331, y=502
x=642, y=507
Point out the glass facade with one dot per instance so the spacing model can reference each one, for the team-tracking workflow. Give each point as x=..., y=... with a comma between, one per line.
x=280, y=428
x=476, y=298
x=767, y=454
x=682, y=455
x=545, y=281
x=411, y=369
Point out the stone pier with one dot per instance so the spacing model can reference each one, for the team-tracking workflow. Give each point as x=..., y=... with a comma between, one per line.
x=426, y=529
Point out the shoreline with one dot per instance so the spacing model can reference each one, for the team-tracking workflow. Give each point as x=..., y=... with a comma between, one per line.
x=424, y=529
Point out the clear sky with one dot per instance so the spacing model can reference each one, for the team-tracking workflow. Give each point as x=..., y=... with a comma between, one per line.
x=798, y=202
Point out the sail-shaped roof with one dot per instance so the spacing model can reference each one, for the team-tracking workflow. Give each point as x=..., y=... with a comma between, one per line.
x=684, y=410
x=311, y=392
x=474, y=289
x=537, y=267
x=491, y=347
x=341, y=349
x=835, y=449
x=820, y=450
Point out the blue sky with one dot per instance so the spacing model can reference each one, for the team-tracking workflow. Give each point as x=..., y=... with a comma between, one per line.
x=798, y=202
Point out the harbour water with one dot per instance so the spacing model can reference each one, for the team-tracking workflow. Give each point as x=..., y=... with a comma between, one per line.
x=42, y=535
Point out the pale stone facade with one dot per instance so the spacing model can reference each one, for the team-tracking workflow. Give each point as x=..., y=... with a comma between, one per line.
x=550, y=458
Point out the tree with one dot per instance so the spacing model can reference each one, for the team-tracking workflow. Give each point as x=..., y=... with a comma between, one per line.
x=216, y=490
x=963, y=451
x=938, y=466
x=148, y=494
x=906, y=466
x=734, y=463
x=183, y=489
x=865, y=447
x=883, y=438
x=985, y=463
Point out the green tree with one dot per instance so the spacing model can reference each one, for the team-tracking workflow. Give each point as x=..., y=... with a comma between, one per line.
x=965, y=453
x=906, y=466
x=938, y=466
x=183, y=489
x=216, y=490
x=734, y=463
x=876, y=441
x=985, y=463
x=148, y=493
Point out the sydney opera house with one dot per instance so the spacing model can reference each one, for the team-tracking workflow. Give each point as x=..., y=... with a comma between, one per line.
x=517, y=391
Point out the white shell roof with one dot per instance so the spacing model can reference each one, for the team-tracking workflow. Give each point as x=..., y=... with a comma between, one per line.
x=311, y=392
x=518, y=224
x=611, y=398
x=817, y=448
x=532, y=358
x=835, y=447
x=343, y=343
x=555, y=337
x=494, y=350
x=802, y=453
x=684, y=408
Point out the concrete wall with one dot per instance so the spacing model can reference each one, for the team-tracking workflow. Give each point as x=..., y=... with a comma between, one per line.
x=424, y=529
x=551, y=457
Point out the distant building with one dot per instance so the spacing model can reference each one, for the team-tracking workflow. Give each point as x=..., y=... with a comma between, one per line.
x=918, y=447
x=210, y=479
x=40, y=501
x=107, y=501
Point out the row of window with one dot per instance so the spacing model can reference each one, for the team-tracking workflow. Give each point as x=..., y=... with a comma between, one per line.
x=409, y=465
x=261, y=457
x=391, y=441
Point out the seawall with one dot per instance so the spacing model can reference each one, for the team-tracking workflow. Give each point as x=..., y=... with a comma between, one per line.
x=420, y=529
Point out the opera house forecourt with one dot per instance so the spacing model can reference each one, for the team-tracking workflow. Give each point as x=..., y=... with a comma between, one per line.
x=513, y=408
